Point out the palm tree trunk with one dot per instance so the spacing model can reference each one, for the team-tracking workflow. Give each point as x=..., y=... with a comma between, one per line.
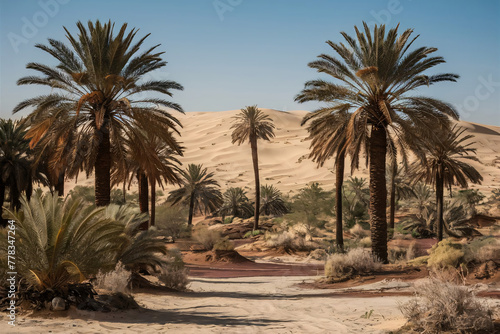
x=191, y=209
x=439, y=203
x=3, y=222
x=152, y=217
x=103, y=168
x=253, y=145
x=378, y=193
x=124, y=190
x=339, y=174
x=392, y=213
x=60, y=184
x=143, y=196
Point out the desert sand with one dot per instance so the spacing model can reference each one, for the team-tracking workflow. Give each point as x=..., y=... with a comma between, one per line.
x=243, y=305
x=284, y=160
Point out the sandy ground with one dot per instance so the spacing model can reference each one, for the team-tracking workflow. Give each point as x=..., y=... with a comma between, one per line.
x=235, y=305
x=243, y=305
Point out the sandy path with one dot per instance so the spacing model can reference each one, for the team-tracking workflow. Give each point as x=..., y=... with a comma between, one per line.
x=235, y=305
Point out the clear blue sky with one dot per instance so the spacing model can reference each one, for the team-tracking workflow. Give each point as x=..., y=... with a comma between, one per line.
x=231, y=53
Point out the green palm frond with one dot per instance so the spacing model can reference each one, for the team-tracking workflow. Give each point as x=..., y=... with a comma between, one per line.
x=271, y=201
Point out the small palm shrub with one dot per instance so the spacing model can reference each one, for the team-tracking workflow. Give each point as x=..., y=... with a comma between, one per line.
x=62, y=241
x=444, y=306
x=356, y=261
x=271, y=201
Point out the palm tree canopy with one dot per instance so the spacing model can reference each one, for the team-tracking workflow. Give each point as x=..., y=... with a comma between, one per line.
x=250, y=123
x=196, y=181
x=17, y=166
x=271, y=201
x=236, y=203
x=377, y=72
x=442, y=151
x=98, y=85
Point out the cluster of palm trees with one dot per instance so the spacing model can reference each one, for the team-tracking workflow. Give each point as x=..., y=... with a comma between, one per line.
x=96, y=120
x=372, y=108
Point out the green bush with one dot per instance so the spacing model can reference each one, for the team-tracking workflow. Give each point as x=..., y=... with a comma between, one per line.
x=172, y=220
x=224, y=244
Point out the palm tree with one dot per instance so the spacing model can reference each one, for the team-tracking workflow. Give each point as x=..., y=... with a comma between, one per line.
x=252, y=124
x=235, y=203
x=271, y=202
x=199, y=189
x=400, y=189
x=440, y=164
x=18, y=171
x=327, y=132
x=377, y=74
x=91, y=107
x=152, y=162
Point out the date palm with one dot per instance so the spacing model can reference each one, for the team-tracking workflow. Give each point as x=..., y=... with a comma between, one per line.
x=97, y=99
x=327, y=132
x=251, y=124
x=199, y=189
x=271, y=202
x=376, y=74
x=236, y=204
x=18, y=170
x=152, y=162
x=441, y=164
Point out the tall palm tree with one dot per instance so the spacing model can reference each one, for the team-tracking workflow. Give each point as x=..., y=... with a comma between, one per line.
x=377, y=74
x=441, y=165
x=18, y=171
x=94, y=101
x=327, y=132
x=250, y=125
x=199, y=189
x=236, y=203
x=271, y=202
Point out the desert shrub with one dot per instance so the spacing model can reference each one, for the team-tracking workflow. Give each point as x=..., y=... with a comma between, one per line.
x=445, y=254
x=228, y=220
x=207, y=237
x=359, y=232
x=224, y=244
x=174, y=274
x=114, y=281
x=356, y=261
x=483, y=250
x=171, y=220
x=80, y=239
x=444, y=306
x=253, y=233
x=290, y=238
x=366, y=242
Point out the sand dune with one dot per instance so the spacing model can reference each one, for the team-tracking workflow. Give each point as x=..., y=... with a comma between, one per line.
x=284, y=160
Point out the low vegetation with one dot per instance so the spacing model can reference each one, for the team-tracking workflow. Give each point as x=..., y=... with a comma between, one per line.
x=342, y=266
x=444, y=306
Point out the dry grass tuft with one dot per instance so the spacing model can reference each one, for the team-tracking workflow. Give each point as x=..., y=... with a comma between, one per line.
x=444, y=306
x=207, y=237
x=116, y=281
x=175, y=274
x=356, y=261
